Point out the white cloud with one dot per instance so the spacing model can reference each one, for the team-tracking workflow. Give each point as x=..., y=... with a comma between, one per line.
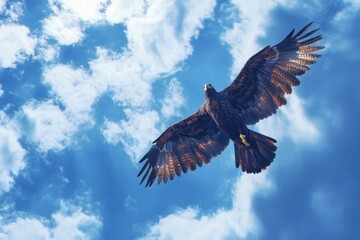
x=111, y=132
x=173, y=99
x=64, y=27
x=15, y=10
x=12, y=10
x=351, y=8
x=123, y=77
x=24, y=228
x=121, y=10
x=47, y=52
x=77, y=90
x=238, y=222
x=11, y=153
x=53, y=128
x=242, y=38
x=74, y=88
x=2, y=5
x=69, y=19
x=160, y=39
x=135, y=133
x=291, y=121
x=15, y=44
x=47, y=126
x=69, y=222
x=87, y=11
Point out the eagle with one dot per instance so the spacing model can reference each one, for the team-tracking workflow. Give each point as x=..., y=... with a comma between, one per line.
x=255, y=94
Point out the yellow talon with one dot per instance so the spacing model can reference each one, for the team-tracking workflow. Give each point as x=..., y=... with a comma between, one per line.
x=243, y=139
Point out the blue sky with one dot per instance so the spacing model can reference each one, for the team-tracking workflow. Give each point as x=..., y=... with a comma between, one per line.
x=85, y=86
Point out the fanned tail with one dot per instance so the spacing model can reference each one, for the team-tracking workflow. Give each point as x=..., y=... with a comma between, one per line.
x=258, y=155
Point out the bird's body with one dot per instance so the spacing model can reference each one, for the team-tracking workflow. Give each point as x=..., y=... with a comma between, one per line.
x=255, y=94
x=249, y=145
x=224, y=114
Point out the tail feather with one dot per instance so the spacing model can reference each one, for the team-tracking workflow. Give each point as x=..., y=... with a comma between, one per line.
x=258, y=155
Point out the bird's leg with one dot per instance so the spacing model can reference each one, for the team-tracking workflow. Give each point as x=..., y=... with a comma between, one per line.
x=244, y=141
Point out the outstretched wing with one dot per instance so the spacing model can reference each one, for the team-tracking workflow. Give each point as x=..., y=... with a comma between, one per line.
x=260, y=87
x=186, y=144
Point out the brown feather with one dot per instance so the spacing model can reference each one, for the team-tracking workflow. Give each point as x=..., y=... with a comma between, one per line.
x=310, y=41
x=307, y=49
x=303, y=30
x=309, y=56
x=186, y=144
x=272, y=71
x=302, y=61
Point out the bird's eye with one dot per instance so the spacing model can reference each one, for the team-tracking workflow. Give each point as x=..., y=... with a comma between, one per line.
x=210, y=85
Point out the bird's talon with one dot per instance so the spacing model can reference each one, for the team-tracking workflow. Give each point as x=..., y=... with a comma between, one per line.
x=244, y=141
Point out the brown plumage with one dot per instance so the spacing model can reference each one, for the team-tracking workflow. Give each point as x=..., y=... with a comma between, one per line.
x=255, y=94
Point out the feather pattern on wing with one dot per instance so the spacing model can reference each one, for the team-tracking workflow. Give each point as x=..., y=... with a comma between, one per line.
x=185, y=145
x=260, y=87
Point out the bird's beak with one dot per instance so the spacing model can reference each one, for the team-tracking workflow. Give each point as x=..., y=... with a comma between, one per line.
x=206, y=87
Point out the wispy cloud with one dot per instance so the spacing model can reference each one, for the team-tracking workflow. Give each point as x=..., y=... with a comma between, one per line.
x=12, y=154
x=12, y=10
x=135, y=133
x=15, y=10
x=237, y=222
x=130, y=203
x=329, y=207
x=2, y=5
x=173, y=100
x=341, y=37
x=351, y=8
x=46, y=52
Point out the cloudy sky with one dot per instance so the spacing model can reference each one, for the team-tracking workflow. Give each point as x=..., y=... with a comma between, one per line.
x=85, y=86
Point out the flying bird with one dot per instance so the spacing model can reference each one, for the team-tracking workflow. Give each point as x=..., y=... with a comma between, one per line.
x=255, y=94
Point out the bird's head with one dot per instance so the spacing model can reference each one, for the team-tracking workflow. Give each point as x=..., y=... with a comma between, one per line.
x=209, y=90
